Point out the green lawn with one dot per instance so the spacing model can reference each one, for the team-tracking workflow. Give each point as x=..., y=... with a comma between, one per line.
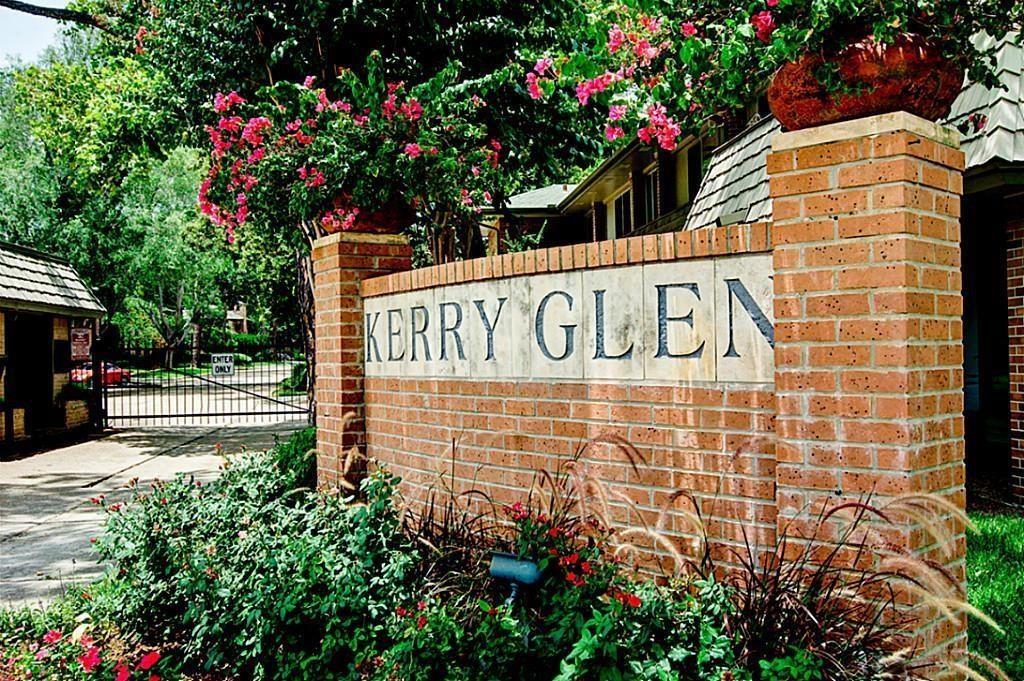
x=995, y=583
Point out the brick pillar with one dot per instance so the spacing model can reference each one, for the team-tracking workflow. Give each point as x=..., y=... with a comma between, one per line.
x=1015, y=327
x=868, y=354
x=340, y=262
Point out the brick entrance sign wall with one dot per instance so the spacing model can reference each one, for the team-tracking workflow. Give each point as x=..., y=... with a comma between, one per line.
x=766, y=369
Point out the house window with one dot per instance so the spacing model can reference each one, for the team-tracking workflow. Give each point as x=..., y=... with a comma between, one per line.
x=694, y=169
x=623, y=209
x=650, y=196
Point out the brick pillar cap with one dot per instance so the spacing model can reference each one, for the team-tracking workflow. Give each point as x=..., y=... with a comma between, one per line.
x=360, y=237
x=899, y=121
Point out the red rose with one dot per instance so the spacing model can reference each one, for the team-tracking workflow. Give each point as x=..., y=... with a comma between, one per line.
x=149, y=660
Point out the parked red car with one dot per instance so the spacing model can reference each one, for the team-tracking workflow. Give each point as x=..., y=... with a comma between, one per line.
x=112, y=375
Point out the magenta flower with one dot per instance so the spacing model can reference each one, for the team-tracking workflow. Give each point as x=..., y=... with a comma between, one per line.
x=412, y=110
x=533, y=86
x=616, y=38
x=222, y=102
x=413, y=150
x=52, y=636
x=149, y=660
x=90, y=659
x=688, y=29
x=613, y=132
x=764, y=25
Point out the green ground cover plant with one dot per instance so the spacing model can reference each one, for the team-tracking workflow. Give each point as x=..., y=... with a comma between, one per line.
x=259, y=576
x=995, y=584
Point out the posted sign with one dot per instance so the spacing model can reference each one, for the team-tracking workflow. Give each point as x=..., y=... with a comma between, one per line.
x=81, y=344
x=223, y=365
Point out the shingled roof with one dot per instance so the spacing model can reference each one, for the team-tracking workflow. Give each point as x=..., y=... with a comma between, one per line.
x=37, y=282
x=735, y=188
x=1002, y=138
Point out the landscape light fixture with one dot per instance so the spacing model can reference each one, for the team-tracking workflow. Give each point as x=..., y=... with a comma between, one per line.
x=518, y=572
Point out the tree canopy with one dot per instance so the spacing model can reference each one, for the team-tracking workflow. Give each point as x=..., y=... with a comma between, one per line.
x=95, y=139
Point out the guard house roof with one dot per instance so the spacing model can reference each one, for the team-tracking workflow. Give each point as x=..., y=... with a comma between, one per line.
x=36, y=282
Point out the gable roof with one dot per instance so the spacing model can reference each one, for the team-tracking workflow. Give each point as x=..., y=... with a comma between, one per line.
x=735, y=188
x=544, y=199
x=34, y=281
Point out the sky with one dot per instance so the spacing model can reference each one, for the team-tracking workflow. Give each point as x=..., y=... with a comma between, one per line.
x=25, y=36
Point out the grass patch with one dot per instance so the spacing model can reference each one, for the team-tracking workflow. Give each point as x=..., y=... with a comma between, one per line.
x=995, y=583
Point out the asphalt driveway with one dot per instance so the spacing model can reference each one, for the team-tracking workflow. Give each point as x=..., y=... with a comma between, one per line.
x=46, y=519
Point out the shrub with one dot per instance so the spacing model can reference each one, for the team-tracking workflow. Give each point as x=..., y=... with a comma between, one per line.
x=255, y=577
x=297, y=381
x=296, y=458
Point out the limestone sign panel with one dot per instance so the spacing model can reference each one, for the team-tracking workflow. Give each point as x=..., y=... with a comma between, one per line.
x=687, y=321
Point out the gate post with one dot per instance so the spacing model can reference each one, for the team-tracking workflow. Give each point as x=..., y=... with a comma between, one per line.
x=868, y=354
x=340, y=262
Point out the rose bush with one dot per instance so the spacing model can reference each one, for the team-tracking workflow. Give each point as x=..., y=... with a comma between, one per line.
x=298, y=156
x=663, y=69
x=64, y=643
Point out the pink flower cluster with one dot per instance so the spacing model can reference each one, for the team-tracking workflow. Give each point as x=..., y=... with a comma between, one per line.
x=588, y=88
x=542, y=71
x=642, y=40
x=222, y=102
x=56, y=646
x=660, y=128
x=312, y=177
x=411, y=110
x=339, y=219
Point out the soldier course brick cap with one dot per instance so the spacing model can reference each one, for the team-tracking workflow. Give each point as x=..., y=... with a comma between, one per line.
x=363, y=237
x=899, y=121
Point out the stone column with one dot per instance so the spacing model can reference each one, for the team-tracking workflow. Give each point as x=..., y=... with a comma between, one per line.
x=340, y=262
x=868, y=354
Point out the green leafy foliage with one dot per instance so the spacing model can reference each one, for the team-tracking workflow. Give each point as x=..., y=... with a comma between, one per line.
x=296, y=458
x=298, y=158
x=259, y=578
x=256, y=576
x=62, y=641
x=801, y=665
x=245, y=45
x=664, y=68
x=28, y=183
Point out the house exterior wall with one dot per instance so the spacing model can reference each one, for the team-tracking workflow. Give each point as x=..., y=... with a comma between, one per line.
x=863, y=396
x=1015, y=304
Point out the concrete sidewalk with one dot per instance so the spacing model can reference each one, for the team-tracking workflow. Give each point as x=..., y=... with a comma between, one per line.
x=46, y=519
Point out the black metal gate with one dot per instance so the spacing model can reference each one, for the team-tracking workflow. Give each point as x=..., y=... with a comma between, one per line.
x=154, y=385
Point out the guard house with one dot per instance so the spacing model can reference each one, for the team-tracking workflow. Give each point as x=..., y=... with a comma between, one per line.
x=48, y=319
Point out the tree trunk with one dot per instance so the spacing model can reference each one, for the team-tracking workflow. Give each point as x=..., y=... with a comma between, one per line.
x=58, y=13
